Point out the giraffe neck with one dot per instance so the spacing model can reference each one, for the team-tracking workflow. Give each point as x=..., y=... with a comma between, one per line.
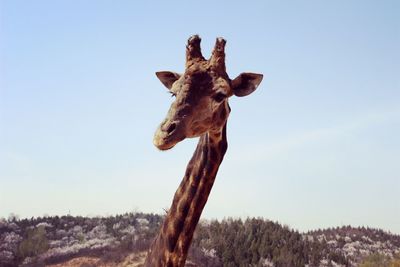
x=171, y=246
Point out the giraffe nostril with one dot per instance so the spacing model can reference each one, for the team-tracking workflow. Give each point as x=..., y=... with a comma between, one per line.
x=171, y=128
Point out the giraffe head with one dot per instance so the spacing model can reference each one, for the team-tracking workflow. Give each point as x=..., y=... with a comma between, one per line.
x=201, y=95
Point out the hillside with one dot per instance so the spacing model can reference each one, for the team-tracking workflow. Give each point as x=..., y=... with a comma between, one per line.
x=122, y=241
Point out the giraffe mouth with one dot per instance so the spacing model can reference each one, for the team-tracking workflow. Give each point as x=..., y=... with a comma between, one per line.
x=167, y=135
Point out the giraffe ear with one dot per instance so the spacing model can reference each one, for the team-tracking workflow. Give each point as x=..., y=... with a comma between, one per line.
x=167, y=78
x=246, y=83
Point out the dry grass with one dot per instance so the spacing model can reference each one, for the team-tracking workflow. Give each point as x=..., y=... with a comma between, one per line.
x=132, y=260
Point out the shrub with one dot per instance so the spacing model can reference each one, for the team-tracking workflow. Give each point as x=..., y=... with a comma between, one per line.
x=35, y=242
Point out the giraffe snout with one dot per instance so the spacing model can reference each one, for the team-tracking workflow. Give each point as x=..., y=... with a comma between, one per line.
x=168, y=134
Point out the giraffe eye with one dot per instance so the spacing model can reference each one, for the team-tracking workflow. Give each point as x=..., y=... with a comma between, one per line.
x=172, y=93
x=219, y=97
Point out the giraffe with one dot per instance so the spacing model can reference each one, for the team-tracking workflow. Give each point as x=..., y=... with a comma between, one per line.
x=200, y=109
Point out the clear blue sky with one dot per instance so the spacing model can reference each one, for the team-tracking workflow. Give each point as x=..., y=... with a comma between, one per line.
x=317, y=145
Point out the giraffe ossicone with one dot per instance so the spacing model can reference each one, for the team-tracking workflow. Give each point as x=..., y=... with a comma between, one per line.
x=200, y=109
